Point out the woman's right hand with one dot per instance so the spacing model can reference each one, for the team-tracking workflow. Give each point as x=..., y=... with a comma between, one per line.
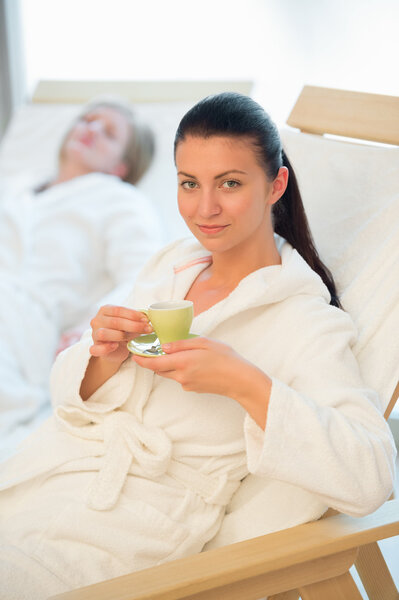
x=112, y=327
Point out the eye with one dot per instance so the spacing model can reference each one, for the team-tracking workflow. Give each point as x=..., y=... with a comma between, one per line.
x=188, y=185
x=230, y=184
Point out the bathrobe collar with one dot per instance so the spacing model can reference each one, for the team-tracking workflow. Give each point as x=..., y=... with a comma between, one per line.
x=182, y=262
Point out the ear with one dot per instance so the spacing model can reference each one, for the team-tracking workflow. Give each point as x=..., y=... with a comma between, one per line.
x=279, y=185
x=120, y=170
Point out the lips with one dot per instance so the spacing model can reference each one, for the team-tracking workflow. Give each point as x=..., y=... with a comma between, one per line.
x=212, y=229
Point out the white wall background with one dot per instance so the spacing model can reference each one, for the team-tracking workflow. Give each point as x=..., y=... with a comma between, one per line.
x=280, y=44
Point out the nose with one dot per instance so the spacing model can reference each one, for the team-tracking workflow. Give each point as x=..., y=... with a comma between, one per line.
x=208, y=205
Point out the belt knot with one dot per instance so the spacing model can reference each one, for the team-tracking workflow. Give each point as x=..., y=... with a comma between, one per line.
x=127, y=440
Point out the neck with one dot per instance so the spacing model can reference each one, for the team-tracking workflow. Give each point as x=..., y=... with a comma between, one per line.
x=68, y=171
x=245, y=260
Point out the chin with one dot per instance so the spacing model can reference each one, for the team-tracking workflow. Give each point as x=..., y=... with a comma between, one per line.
x=215, y=244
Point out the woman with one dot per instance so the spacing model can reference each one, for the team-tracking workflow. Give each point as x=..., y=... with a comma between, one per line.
x=147, y=452
x=64, y=248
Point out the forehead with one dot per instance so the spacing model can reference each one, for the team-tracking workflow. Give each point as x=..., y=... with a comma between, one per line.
x=215, y=152
x=109, y=115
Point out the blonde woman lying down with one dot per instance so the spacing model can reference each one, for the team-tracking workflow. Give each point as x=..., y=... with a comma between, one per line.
x=64, y=247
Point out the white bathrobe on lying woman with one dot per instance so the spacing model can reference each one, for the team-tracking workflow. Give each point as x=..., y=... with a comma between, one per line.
x=61, y=251
x=141, y=472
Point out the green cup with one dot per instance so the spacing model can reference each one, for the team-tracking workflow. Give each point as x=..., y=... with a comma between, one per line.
x=171, y=319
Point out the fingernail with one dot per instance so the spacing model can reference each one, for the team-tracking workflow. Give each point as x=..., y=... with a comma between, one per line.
x=148, y=328
x=166, y=346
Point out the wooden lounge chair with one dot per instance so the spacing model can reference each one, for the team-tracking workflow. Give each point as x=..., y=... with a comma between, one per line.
x=311, y=560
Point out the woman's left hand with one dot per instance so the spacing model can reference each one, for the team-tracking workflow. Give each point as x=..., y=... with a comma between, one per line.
x=207, y=366
x=198, y=364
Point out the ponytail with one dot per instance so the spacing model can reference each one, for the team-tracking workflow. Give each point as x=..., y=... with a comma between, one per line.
x=291, y=223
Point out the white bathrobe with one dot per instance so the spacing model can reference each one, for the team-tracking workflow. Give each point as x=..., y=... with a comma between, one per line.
x=142, y=472
x=61, y=251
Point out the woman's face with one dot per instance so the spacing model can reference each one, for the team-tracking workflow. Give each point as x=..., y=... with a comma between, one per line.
x=97, y=142
x=224, y=195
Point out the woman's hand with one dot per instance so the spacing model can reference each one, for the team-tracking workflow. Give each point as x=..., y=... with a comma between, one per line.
x=206, y=366
x=112, y=328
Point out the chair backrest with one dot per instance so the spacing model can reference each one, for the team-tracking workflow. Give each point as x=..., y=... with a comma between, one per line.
x=351, y=197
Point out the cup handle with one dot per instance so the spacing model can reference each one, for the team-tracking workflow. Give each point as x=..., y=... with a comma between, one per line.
x=143, y=310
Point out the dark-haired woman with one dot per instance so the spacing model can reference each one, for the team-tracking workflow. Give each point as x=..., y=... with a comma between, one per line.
x=143, y=454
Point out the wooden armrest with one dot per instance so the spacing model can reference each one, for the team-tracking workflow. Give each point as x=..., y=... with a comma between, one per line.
x=210, y=574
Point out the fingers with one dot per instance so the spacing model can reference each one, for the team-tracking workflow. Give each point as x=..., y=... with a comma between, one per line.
x=112, y=335
x=159, y=364
x=111, y=310
x=103, y=349
x=197, y=343
x=164, y=366
x=171, y=361
x=113, y=326
x=124, y=323
x=103, y=335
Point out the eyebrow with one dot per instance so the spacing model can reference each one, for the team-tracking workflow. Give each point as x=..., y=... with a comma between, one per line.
x=216, y=176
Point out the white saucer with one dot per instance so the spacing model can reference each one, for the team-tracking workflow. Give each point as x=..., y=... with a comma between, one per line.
x=148, y=345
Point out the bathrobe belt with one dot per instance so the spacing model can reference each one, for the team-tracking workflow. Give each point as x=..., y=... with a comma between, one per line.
x=133, y=447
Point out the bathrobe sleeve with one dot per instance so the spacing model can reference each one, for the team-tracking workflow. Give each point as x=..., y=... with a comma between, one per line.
x=324, y=430
x=67, y=374
x=71, y=364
